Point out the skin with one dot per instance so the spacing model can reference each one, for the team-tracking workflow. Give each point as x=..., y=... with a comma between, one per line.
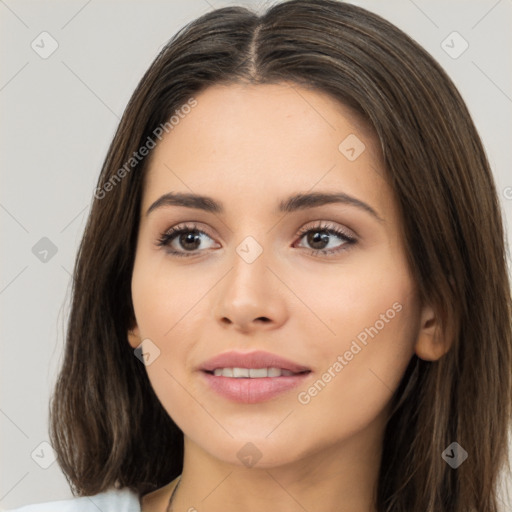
x=250, y=146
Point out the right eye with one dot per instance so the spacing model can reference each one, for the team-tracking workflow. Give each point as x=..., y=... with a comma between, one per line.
x=182, y=240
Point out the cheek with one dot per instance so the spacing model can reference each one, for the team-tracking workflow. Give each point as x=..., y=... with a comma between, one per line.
x=164, y=299
x=370, y=296
x=165, y=307
x=170, y=311
x=372, y=316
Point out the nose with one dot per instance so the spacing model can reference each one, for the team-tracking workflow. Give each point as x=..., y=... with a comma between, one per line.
x=251, y=297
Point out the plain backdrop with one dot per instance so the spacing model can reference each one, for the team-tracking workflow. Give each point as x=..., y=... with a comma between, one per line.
x=58, y=115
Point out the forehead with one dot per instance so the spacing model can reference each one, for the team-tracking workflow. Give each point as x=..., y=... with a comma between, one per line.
x=271, y=139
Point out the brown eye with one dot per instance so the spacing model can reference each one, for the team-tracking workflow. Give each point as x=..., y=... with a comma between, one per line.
x=181, y=240
x=189, y=240
x=318, y=238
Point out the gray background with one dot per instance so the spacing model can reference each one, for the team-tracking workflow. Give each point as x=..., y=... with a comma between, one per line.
x=58, y=117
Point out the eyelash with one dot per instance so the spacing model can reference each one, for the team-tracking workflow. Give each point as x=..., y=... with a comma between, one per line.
x=166, y=238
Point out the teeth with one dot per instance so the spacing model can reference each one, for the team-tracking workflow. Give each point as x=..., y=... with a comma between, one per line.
x=240, y=372
x=274, y=372
x=258, y=372
x=252, y=373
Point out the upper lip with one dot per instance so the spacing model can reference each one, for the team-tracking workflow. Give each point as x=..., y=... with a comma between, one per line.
x=257, y=359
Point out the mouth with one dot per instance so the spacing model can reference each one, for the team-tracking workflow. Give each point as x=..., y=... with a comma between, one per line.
x=253, y=373
x=252, y=377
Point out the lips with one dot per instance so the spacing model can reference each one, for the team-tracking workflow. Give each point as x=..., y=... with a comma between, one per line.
x=239, y=377
x=252, y=360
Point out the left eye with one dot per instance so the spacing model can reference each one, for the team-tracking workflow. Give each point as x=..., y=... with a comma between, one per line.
x=181, y=240
x=320, y=237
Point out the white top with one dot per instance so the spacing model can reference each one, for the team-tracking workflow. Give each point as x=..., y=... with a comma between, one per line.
x=113, y=500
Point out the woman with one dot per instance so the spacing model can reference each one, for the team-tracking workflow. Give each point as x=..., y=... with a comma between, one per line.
x=292, y=287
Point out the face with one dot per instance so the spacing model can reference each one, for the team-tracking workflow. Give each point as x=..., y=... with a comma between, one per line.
x=324, y=285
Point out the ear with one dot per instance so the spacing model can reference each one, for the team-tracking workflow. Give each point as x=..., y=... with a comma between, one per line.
x=134, y=338
x=432, y=342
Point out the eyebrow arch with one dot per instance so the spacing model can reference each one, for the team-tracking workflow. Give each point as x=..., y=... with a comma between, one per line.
x=311, y=200
x=294, y=203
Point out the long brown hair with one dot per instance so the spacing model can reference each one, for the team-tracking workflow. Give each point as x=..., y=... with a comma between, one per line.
x=108, y=426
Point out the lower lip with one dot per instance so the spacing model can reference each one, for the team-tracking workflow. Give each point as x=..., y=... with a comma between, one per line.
x=251, y=391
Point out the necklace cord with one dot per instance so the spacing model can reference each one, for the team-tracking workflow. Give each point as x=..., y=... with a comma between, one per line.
x=172, y=495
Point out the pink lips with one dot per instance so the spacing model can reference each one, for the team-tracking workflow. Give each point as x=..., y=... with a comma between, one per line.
x=252, y=390
x=257, y=359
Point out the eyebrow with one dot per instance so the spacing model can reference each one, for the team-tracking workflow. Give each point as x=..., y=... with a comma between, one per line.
x=294, y=203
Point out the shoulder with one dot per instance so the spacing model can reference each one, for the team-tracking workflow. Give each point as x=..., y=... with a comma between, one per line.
x=112, y=500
